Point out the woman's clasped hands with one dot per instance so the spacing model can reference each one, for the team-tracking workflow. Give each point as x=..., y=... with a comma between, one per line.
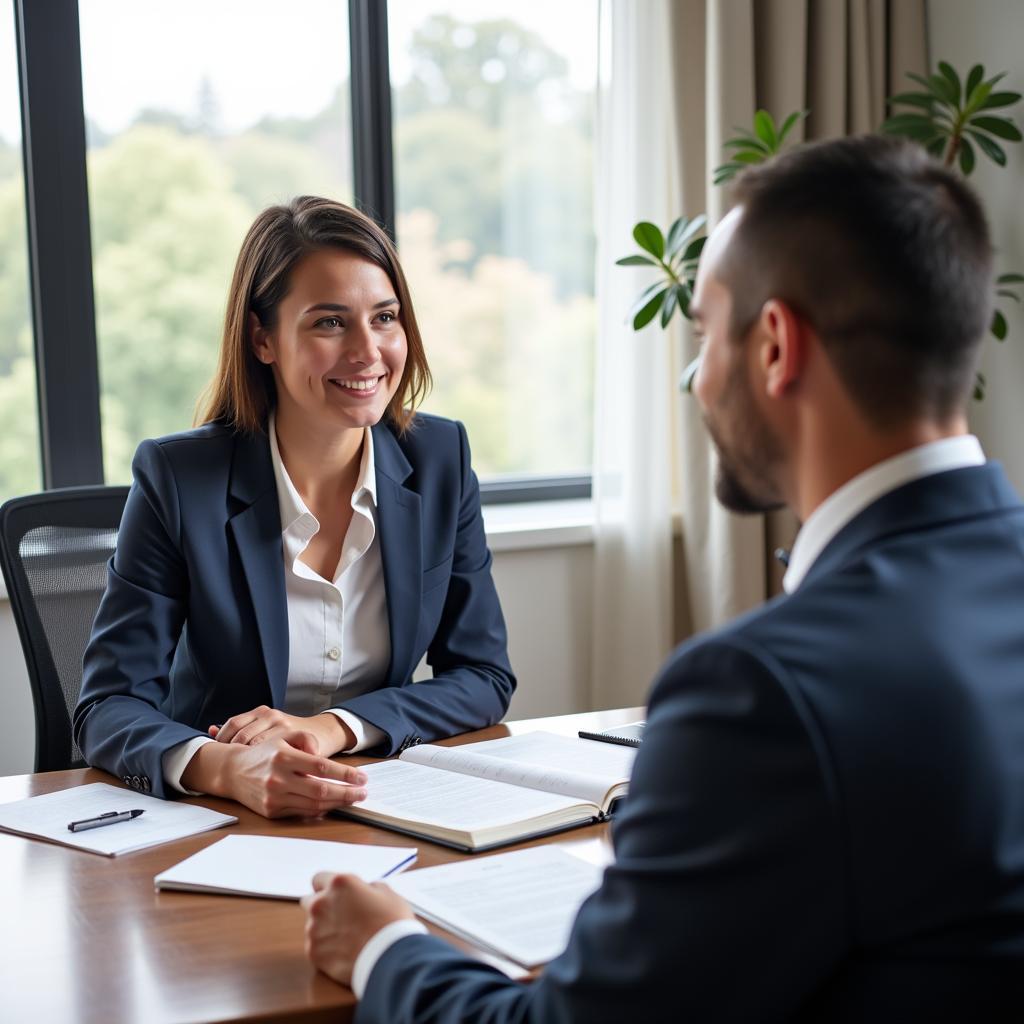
x=278, y=765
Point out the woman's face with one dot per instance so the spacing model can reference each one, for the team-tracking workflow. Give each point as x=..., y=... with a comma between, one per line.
x=338, y=349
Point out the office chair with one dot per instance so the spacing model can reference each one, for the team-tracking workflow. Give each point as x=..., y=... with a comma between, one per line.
x=54, y=548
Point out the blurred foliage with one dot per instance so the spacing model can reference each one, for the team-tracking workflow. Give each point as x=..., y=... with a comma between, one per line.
x=494, y=230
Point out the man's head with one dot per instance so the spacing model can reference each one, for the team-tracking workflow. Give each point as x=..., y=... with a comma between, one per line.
x=859, y=264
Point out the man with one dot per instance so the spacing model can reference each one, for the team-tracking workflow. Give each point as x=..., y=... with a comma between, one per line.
x=826, y=819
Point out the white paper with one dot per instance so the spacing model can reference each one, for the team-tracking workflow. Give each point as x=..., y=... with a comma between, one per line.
x=537, y=760
x=431, y=796
x=521, y=904
x=47, y=817
x=278, y=867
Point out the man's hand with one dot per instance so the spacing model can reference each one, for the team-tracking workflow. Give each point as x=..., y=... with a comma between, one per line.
x=342, y=914
x=283, y=776
x=263, y=723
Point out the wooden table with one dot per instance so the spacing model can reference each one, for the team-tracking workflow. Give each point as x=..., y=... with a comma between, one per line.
x=87, y=938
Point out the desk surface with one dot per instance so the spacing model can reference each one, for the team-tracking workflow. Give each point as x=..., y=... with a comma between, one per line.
x=87, y=938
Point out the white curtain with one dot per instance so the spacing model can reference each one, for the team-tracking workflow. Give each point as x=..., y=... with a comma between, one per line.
x=678, y=76
x=633, y=444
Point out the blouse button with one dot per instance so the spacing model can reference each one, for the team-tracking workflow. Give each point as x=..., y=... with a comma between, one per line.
x=334, y=654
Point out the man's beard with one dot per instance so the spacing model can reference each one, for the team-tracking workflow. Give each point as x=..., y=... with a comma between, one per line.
x=743, y=481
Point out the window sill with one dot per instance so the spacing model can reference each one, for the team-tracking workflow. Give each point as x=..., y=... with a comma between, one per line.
x=525, y=526
x=539, y=524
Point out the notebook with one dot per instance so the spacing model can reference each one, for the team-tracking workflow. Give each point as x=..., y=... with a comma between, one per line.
x=520, y=905
x=46, y=817
x=276, y=867
x=482, y=795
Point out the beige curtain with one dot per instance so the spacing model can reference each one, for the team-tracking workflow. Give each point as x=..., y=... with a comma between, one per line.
x=839, y=59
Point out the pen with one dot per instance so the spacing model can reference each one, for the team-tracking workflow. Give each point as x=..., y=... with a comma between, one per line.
x=110, y=818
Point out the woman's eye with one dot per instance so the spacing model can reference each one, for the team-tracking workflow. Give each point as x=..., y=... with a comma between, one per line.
x=387, y=318
x=330, y=322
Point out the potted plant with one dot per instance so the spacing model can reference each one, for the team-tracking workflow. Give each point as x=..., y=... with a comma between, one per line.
x=953, y=119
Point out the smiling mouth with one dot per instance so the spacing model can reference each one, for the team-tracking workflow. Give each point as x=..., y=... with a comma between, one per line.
x=357, y=385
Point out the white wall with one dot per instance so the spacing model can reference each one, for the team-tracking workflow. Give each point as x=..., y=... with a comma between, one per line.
x=991, y=32
x=545, y=593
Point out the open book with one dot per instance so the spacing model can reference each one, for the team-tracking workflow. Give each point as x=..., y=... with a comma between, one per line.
x=481, y=795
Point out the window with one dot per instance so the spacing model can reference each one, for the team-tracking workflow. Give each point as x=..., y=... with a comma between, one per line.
x=19, y=421
x=493, y=107
x=158, y=130
x=238, y=107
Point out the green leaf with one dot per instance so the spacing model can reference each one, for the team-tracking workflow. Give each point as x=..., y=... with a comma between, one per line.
x=636, y=261
x=998, y=126
x=672, y=238
x=977, y=73
x=652, y=290
x=689, y=229
x=749, y=157
x=742, y=142
x=966, y=156
x=746, y=140
x=921, y=80
x=979, y=387
x=686, y=380
x=991, y=149
x=944, y=90
x=685, y=295
x=694, y=249
x=726, y=172
x=977, y=99
x=787, y=125
x=914, y=126
x=764, y=126
x=999, y=325
x=899, y=121
x=1001, y=99
x=668, y=305
x=649, y=311
x=936, y=147
x=914, y=99
x=953, y=79
x=649, y=237
x=1005, y=293
x=1010, y=279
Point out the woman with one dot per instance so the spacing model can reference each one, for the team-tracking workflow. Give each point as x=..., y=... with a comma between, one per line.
x=218, y=666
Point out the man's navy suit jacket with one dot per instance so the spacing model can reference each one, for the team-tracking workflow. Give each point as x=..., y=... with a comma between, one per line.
x=826, y=818
x=193, y=626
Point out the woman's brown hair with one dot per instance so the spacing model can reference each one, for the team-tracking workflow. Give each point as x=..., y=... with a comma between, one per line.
x=242, y=393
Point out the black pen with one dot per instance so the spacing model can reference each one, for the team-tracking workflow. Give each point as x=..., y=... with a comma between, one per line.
x=110, y=818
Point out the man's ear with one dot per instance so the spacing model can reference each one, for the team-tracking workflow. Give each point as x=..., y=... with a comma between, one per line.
x=782, y=352
x=259, y=340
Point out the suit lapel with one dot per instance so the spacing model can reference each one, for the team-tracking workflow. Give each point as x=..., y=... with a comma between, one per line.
x=398, y=514
x=256, y=527
x=930, y=501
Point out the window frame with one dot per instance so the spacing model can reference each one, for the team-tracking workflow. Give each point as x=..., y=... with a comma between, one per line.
x=59, y=241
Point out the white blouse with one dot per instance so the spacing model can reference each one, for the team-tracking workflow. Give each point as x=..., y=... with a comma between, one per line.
x=339, y=641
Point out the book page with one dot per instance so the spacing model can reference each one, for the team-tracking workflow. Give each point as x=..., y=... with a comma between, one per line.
x=279, y=867
x=519, y=904
x=537, y=760
x=419, y=793
x=47, y=817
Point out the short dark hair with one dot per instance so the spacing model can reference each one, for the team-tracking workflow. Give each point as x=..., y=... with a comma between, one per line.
x=885, y=252
x=242, y=391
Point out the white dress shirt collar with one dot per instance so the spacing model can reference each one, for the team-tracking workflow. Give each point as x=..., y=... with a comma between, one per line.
x=289, y=500
x=855, y=495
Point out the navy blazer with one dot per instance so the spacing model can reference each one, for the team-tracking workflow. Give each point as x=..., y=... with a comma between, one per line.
x=193, y=626
x=826, y=818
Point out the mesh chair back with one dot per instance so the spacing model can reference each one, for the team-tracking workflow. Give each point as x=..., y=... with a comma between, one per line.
x=54, y=548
